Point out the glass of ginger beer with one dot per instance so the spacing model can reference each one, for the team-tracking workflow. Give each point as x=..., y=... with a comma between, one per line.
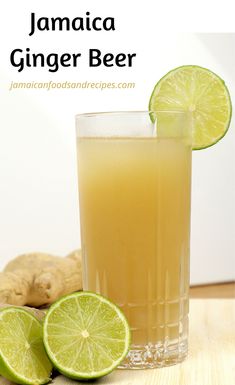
x=134, y=172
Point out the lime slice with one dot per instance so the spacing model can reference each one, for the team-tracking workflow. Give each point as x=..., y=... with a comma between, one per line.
x=196, y=89
x=85, y=335
x=22, y=355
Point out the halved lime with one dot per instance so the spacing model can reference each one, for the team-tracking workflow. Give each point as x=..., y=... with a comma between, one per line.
x=201, y=91
x=22, y=354
x=85, y=335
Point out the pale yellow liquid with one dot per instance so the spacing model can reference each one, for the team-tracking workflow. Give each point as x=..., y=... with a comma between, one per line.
x=135, y=220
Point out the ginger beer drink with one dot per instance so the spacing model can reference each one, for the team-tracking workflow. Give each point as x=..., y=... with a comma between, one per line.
x=135, y=220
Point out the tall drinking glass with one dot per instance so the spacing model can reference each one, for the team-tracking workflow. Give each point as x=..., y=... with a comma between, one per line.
x=134, y=173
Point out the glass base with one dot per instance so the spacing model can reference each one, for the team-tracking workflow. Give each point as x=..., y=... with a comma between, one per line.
x=155, y=356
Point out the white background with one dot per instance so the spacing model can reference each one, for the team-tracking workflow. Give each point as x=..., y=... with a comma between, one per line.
x=38, y=188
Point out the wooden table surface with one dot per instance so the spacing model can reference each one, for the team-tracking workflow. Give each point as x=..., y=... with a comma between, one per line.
x=220, y=290
x=211, y=359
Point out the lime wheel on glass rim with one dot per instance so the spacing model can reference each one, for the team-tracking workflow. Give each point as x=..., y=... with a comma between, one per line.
x=85, y=335
x=200, y=91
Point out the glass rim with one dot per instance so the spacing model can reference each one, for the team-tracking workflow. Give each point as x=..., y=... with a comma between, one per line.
x=107, y=113
x=133, y=124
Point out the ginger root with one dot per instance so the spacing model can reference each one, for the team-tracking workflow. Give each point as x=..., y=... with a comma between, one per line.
x=38, y=279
